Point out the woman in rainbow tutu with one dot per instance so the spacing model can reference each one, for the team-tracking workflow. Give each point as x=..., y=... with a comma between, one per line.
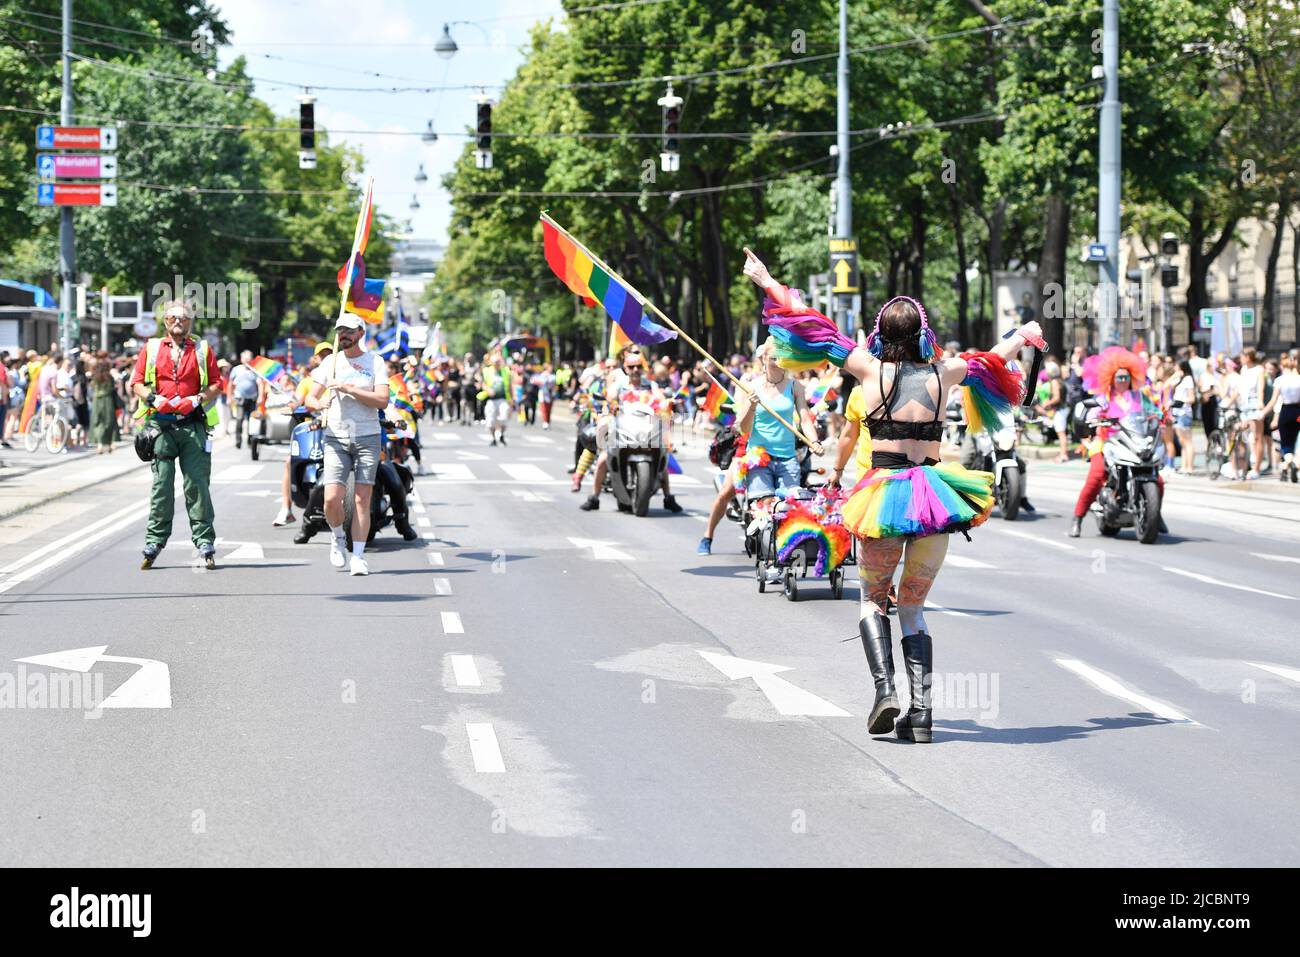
x=905, y=506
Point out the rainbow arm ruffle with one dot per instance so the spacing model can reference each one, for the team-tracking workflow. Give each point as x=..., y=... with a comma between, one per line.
x=989, y=391
x=804, y=337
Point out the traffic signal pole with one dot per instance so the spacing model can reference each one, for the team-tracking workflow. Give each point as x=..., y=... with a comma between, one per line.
x=1108, y=182
x=844, y=201
x=67, y=242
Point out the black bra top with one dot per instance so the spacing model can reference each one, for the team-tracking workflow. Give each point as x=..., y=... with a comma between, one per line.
x=908, y=386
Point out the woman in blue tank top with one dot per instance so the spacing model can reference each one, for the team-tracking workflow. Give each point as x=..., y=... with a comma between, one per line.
x=779, y=390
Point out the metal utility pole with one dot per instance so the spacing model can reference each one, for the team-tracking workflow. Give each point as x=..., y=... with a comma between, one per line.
x=844, y=199
x=67, y=243
x=1108, y=183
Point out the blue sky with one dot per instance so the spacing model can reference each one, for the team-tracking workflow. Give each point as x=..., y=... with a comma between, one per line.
x=333, y=42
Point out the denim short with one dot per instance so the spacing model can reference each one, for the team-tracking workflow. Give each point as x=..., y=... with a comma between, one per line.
x=776, y=475
x=1183, y=417
x=343, y=455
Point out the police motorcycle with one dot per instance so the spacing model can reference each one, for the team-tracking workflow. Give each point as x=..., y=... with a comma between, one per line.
x=1130, y=495
x=393, y=482
x=997, y=453
x=637, y=456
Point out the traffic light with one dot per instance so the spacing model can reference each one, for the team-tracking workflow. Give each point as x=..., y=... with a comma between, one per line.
x=670, y=154
x=1169, y=245
x=307, y=125
x=483, y=154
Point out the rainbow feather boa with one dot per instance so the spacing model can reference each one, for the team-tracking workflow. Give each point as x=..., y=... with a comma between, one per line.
x=989, y=392
x=804, y=338
x=816, y=520
x=754, y=458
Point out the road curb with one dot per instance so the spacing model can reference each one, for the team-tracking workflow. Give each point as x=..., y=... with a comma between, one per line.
x=28, y=506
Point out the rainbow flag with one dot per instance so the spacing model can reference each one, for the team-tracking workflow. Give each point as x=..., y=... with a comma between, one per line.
x=270, y=370
x=717, y=402
x=29, y=401
x=618, y=340
x=365, y=298
x=361, y=296
x=585, y=278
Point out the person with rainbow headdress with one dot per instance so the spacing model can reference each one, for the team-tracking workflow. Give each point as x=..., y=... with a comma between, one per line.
x=1118, y=380
x=904, y=507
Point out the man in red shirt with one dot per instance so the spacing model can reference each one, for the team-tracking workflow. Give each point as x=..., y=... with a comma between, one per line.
x=176, y=379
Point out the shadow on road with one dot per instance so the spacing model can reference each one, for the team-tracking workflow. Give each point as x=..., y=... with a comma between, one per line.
x=972, y=732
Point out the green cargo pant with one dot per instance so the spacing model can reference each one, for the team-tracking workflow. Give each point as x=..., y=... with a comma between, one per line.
x=185, y=444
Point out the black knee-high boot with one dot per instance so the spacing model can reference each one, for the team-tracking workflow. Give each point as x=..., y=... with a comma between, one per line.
x=918, y=654
x=880, y=656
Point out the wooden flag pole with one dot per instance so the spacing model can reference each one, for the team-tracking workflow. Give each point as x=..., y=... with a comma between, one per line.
x=681, y=332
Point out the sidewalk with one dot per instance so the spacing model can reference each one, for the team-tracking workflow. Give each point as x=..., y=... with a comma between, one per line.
x=31, y=479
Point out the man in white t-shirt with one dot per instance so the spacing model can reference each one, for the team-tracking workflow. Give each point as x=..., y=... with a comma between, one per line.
x=352, y=387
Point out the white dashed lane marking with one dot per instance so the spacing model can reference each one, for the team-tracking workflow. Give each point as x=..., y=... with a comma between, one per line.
x=1222, y=584
x=435, y=558
x=484, y=748
x=465, y=671
x=442, y=586
x=451, y=623
x=1108, y=685
x=1291, y=674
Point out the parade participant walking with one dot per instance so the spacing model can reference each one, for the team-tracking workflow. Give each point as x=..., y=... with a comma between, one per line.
x=1286, y=415
x=498, y=386
x=285, y=515
x=176, y=381
x=247, y=392
x=906, y=504
x=351, y=387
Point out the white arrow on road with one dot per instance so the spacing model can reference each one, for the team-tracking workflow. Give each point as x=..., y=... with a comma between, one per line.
x=259, y=493
x=785, y=697
x=246, y=552
x=149, y=687
x=601, y=551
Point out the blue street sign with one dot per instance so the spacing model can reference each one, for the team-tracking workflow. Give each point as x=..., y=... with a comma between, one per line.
x=1096, y=252
x=45, y=137
x=45, y=166
x=45, y=194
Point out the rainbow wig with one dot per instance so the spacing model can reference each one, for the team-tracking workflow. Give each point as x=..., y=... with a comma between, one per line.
x=1099, y=370
x=989, y=391
x=801, y=524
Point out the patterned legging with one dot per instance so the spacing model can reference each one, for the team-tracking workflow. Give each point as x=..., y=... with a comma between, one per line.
x=922, y=558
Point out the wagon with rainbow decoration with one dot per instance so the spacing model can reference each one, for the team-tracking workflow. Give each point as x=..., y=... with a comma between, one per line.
x=801, y=534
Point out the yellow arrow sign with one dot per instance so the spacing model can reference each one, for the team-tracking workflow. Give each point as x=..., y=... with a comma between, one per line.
x=843, y=272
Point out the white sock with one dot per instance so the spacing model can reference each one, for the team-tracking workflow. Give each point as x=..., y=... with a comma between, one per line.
x=339, y=535
x=358, y=548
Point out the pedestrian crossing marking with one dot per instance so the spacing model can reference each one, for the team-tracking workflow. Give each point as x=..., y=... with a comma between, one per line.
x=524, y=472
x=237, y=473
x=452, y=470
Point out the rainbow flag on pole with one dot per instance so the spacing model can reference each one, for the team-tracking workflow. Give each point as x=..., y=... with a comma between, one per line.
x=593, y=281
x=361, y=296
x=270, y=370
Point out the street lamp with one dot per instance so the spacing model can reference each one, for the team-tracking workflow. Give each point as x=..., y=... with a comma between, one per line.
x=446, y=46
x=420, y=176
x=429, y=136
x=415, y=203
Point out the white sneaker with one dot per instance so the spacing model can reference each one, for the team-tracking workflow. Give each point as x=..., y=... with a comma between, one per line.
x=338, y=557
x=283, y=517
x=359, y=566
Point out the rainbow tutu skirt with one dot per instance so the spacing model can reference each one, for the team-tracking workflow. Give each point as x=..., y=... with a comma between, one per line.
x=918, y=500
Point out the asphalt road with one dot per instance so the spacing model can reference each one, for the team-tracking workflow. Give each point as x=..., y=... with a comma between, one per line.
x=533, y=685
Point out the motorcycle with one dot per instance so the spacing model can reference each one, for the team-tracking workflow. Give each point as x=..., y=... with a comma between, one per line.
x=997, y=453
x=638, y=457
x=393, y=482
x=1130, y=497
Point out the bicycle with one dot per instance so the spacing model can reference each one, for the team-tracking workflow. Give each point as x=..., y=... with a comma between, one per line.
x=1226, y=444
x=48, y=426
